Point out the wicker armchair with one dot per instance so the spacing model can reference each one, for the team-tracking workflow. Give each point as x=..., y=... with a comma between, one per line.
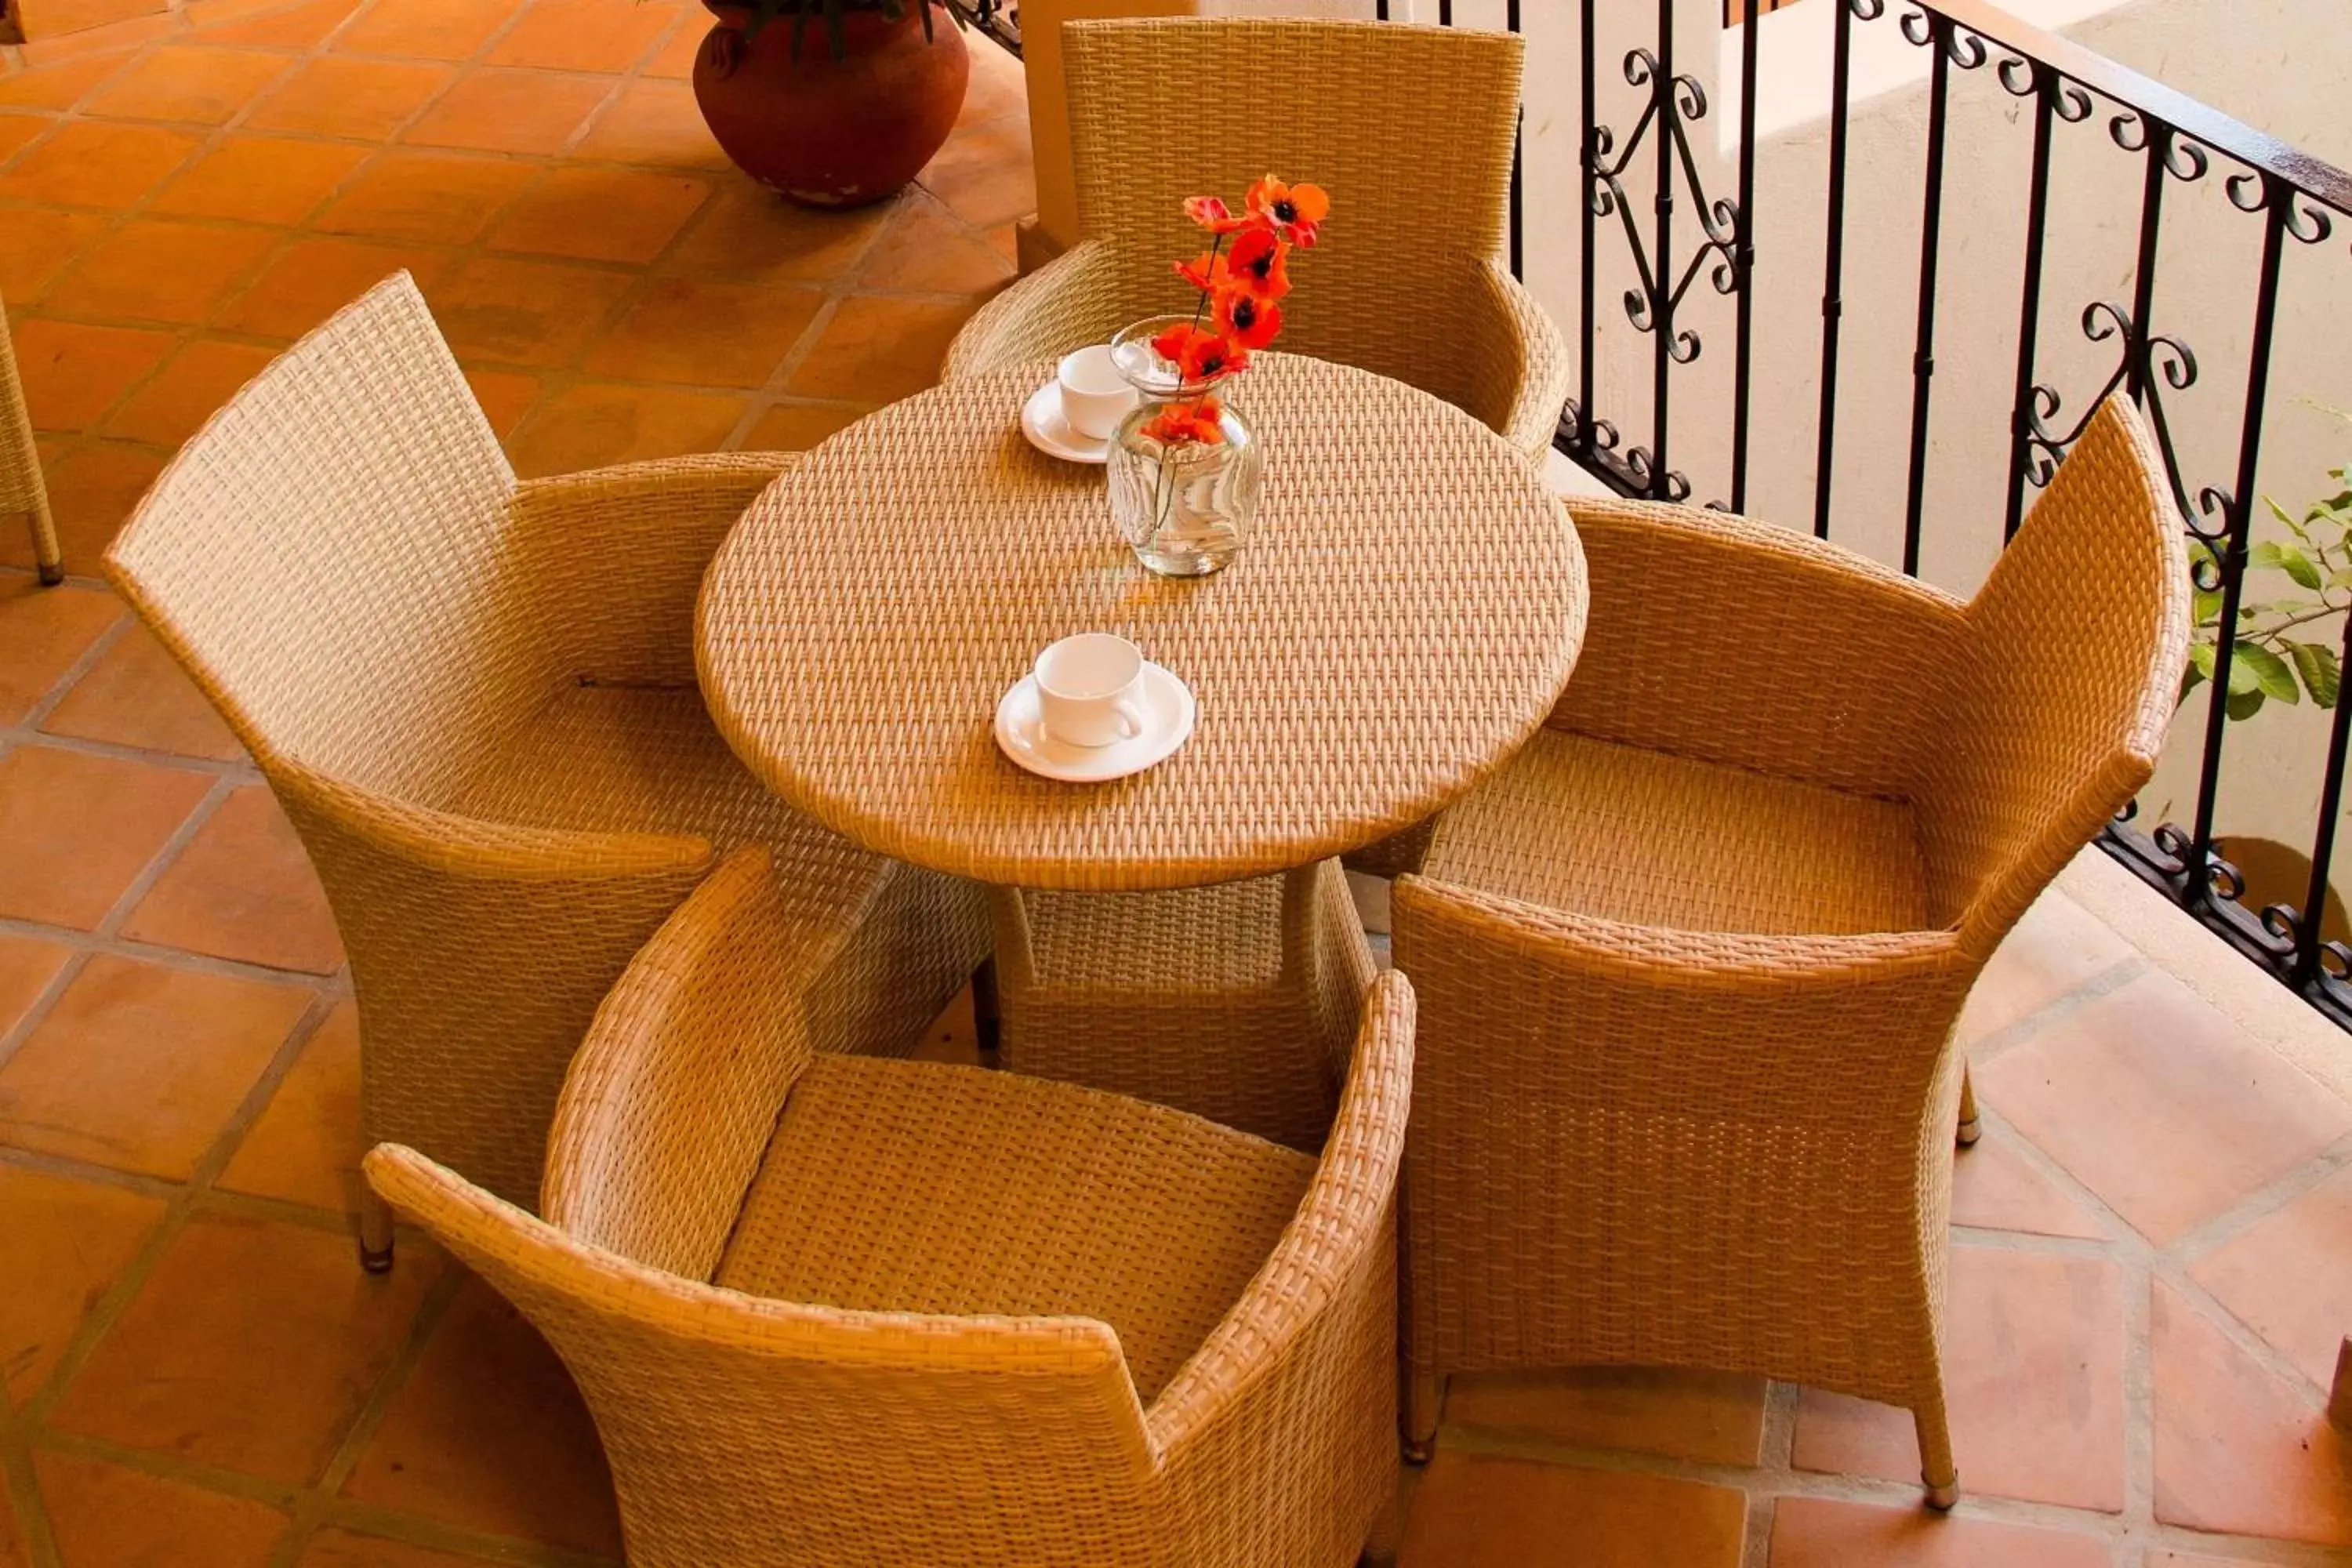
x=1410, y=284
x=476, y=700
x=21, y=486
x=842, y=1310
x=1689, y=965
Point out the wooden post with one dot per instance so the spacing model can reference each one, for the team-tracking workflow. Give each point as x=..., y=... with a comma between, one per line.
x=2339, y=1403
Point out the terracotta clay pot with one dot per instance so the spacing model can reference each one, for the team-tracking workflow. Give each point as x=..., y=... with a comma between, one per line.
x=826, y=131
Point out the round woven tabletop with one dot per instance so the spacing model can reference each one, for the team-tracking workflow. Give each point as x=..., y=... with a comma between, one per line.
x=1400, y=617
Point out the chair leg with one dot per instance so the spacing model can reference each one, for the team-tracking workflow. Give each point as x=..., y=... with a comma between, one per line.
x=1388, y=1534
x=1941, y=1476
x=44, y=547
x=375, y=1234
x=1424, y=1394
x=987, y=1017
x=1970, y=1129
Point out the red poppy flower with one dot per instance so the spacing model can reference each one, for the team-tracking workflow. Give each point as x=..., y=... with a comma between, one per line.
x=1212, y=214
x=1195, y=421
x=1295, y=211
x=1248, y=321
x=1208, y=272
x=1200, y=355
x=1259, y=264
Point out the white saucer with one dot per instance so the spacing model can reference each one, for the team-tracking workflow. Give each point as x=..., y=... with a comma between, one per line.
x=1168, y=705
x=1041, y=422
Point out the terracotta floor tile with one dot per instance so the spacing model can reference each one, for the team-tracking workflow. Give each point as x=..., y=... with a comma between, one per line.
x=594, y=423
x=442, y=198
x=600, y=214
x=28, y=964
x=92, y=487
x=60, y=86
x=928, y=250
x=489, y=1433
x=582, y=35
x=706, y=334
x=73, y=373
x=445, y=30
x=750, y=233
x=187, y=83
x=33, y=254
x=656, y=123
x=2033, y=1374
x=878, y=350
x=2289, y=1277
x=997, y=89
x=92, y=163
x=1701, y=1416
x=2238, y=1449
x=62, y=18
x=2056, y=947
x=510, y=112
x=163, y=270
x=2158, y=1557
x=985, y=174
x=505, y=396
x=110, y=37
x=79, y=827
x=13, y=1552
x=42, y=632
x=797, y=427
x=523, y=312
x=18, y=132
x=1815, y=1532
x=261, y=179
x=306, y=1147
x=336, y=97
x=1996, y=1187
x=283, y=1331
x=283, y=27
x=138, y=1065
x=137, y=695
x=105, y=1516
x=243, y=889
x=62, y=1243
x=1470, y=1511
x=341, y=1549
x=2157, y=1103
x=317, y=277
x=188, y=391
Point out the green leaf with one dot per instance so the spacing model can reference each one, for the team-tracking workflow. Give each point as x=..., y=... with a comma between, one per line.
x=2321, y=675
x=2243, y=705
x=2288, y=559
x=2208, y=606
x=2200, y=660
x=2268, y=670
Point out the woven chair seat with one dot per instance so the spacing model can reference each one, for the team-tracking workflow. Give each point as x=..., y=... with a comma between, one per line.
x=921, y=1187
x=648, y=759
x=1654, y=839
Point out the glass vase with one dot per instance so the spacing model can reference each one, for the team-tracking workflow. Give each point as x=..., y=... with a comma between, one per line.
x=1183, y=507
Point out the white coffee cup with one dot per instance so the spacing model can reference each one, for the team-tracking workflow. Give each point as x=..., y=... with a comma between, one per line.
x=1095, y=396
x=1090, y=690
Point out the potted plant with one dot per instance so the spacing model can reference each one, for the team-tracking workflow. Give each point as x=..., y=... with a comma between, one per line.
x=834, y=103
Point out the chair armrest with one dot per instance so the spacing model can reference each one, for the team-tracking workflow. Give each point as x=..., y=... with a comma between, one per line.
x=1731, y=641
x=1295, y=1391
x=1519, y=369
x=670, y=1104
x=1078, y=298
x=615, y=557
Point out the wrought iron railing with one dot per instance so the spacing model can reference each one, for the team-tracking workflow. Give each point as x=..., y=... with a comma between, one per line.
x=999, y=20
x=2173, y=141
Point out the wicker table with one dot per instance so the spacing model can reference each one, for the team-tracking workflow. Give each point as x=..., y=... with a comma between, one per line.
x=1400, y=619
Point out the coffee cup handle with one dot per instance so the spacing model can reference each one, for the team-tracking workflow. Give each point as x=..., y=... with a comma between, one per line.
x=1130, y=717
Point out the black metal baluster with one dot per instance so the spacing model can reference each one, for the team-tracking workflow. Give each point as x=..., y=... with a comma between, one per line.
x=2151, y=222
x=1742, y=353
x=1519, y=157
x=1661, y=264
x=2305, y=973
x=2278, y=197
x=1834, y=267
x=1445, y=12
x=1931, y=225
x=1587, y=417
x=1380, y=10
x=2029, y=323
